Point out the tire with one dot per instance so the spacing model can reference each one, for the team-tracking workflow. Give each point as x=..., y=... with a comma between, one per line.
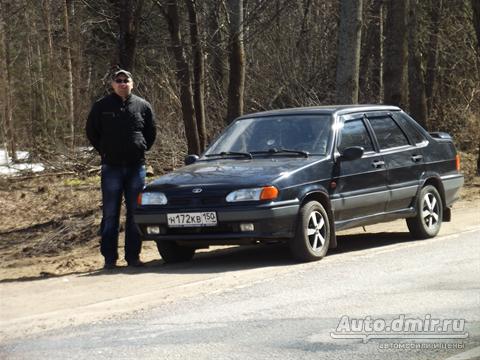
x=312, y=236
x=426, y=224
x=171, y=252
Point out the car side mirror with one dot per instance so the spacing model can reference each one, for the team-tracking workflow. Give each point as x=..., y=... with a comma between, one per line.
x=190, y=159
x=352, y=153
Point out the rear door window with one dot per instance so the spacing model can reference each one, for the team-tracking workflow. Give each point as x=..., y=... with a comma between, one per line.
x=388, y=133
x=354, y=133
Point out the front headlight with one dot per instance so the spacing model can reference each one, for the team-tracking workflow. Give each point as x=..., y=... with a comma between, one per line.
x=253, y=194
x=152, y=198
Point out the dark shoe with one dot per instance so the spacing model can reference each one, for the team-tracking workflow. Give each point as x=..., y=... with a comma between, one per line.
x=135, y=263
x=109, y=265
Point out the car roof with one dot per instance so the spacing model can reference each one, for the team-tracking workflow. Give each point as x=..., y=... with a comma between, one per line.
x=327, y=110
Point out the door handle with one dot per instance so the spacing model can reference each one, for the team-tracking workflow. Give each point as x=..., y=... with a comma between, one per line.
x=378, y=164
x=417, y=158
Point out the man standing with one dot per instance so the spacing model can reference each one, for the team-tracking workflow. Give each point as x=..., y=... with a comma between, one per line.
x=121, y=127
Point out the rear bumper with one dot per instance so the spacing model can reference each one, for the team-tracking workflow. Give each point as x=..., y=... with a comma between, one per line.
x=274, y=222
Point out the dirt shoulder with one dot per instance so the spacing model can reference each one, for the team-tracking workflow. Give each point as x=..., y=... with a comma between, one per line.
x=49, y=225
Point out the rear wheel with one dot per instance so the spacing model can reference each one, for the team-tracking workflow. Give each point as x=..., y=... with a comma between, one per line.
x=426, y=224
x=312, y=236
x=171, y=252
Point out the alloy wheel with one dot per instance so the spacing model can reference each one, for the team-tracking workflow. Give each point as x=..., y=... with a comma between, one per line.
x=316, y=231
x=430, y=210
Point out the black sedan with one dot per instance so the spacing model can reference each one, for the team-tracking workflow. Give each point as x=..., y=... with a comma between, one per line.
x=298, y=175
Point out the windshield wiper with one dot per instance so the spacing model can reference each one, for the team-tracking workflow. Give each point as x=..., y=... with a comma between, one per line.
x=278, y=151
x=234, y=153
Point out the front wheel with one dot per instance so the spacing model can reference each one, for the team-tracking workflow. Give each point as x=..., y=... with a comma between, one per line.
x=426, y=224
x=171, y=252
x=312, y=236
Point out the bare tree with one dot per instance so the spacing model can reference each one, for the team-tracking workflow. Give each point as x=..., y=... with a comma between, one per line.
x=5, y=34
x=476, y=24
x=33, y=98
x=436, y=7
x=183, y=75
x=348, y=58
x=48, y=73
x=71, y=109
x=128, y=21
x=236, y=85
x=395, y=53
x=416, y=82
x=371, y=65
x=215, y=43
x=198, y=73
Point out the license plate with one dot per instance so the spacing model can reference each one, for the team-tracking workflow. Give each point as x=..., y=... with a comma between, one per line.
x=208, y=218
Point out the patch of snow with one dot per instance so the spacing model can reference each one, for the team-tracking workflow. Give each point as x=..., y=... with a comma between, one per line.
x=15, y=169
x=7, y=168
x=3, y=157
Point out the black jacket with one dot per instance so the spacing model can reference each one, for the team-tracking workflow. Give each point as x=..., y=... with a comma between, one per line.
x=121, y=131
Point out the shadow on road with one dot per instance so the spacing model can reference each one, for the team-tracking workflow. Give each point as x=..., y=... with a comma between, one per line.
x=245, y=257
x=259, y=256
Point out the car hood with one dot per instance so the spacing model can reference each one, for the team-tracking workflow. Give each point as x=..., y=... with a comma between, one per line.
x=228, y=172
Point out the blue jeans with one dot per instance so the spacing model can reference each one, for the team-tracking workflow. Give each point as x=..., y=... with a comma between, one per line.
x=118, y=181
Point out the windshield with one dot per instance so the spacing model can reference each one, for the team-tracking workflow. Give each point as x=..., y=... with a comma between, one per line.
x=269, y=135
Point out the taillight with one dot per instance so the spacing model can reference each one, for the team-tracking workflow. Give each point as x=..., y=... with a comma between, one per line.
x=139, y=199
x=457, y=162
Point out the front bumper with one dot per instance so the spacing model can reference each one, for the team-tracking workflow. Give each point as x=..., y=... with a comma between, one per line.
x=271, y=222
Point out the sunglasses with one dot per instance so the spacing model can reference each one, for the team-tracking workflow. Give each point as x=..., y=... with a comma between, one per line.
x=119, y=81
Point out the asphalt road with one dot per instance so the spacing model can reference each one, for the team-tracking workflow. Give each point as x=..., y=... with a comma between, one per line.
x=271, y=308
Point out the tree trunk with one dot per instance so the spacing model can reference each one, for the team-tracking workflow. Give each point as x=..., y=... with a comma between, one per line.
x=432, y=55
x=77, y=62
x=476, y=21
x=216, y=52
x=50, y=100
x=43, y=125
x=371, y=66
x=183, y=77
x=71, y=109
x=416, y=83
x=348, y=58
x=198, y=74
x=236, y=85
x=395, y=53
x=8, y=130
x=130, y=13
x=476, y=24
x=29, y=69
x=381, y=50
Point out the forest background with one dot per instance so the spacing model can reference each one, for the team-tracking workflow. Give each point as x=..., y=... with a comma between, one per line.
x=201, y=63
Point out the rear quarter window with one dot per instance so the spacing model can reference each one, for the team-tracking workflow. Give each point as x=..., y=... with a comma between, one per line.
x=410, y=128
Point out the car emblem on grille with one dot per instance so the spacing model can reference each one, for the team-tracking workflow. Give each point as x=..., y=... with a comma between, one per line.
x=197, y=190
